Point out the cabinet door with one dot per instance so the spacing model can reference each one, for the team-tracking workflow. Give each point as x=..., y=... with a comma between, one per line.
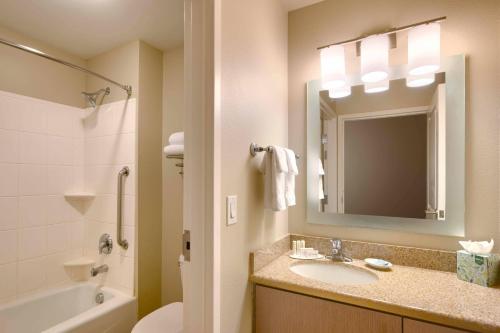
x=416, y=326
x=280, y=311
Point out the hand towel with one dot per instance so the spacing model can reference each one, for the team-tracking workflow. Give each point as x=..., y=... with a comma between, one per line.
x=290, y=177
x=176, y=138
x=274, y=166
x=174, y=150
x=321, y=173
x=281, y=161
x=321, y=193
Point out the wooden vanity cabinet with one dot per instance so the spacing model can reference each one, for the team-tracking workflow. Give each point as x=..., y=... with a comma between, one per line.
x=278, y=311
x=417, y=326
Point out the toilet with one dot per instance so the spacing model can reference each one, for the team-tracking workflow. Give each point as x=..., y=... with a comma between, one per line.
x=167, y=319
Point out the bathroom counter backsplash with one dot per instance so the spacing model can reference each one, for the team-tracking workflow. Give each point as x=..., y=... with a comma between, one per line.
x=440, y=260
x=430, y=292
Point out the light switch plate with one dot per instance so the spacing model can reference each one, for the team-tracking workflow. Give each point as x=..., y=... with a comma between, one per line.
x=231, y=209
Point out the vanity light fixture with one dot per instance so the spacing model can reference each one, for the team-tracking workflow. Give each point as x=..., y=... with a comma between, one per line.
x=333, y=67
x=414, y=81
x=376, y=87
x=423, y=58
x=340, y=92
x=375, y=58
x=424, y=50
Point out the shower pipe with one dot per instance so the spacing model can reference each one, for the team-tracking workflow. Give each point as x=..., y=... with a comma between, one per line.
x=127, y=88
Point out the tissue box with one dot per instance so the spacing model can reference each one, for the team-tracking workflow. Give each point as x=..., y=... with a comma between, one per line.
x=482, y=269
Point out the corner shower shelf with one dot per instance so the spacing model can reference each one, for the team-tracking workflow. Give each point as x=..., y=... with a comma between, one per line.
x=80, y=195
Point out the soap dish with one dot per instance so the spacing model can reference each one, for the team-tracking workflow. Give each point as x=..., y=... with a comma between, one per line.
x=296, y=256
x=378, y=263
x=79, y=269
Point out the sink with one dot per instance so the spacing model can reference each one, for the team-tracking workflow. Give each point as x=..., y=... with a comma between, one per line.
x=335, y=273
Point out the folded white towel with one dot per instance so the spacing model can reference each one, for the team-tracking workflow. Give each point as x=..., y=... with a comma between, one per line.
x=176, y=138
x=293, y=170
x=275, y=167
x=174, y=150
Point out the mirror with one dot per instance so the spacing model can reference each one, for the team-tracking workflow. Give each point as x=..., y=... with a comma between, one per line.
x=393, y=159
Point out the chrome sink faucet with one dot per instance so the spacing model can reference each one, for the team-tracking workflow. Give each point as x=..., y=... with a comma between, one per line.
x=99, y=270
x=338, y=251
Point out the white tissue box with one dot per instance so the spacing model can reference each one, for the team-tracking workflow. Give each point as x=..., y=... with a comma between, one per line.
x=482, y=269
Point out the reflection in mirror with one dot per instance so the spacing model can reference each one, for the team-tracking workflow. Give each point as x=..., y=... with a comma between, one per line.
x=393, y=159
x=383, y=153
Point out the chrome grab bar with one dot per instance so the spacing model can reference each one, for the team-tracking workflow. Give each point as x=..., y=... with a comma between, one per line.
x=122, y=242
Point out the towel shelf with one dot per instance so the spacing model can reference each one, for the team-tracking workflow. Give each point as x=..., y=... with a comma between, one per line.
x=180, y=164
x=178, y=157
x=255, y=148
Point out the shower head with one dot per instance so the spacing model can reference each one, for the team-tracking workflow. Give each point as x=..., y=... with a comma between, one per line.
x=91, y=98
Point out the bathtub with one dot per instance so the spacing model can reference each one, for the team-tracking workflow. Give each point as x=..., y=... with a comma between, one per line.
x=71, y=309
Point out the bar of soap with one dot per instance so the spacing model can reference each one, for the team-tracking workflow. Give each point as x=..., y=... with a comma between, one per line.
x=482, y=269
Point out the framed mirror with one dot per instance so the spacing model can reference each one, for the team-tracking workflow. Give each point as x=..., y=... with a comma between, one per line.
x=393, y=159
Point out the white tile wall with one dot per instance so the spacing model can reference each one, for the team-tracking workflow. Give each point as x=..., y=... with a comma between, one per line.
x=110, y=144
x=32, y=211
x=37, y=166
x=47, y=150
x=9, y=215
x=8, y=246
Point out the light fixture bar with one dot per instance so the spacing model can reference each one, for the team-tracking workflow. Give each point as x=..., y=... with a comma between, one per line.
x=387, y=32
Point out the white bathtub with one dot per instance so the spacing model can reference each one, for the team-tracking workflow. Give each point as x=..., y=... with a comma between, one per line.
x=72, y=309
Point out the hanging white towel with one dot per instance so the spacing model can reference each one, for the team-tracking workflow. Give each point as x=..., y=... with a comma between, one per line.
x=321, y=193
x=176, y=138
x=174, y=150
x=275, y=167
x=321, y=173
x=290, y=177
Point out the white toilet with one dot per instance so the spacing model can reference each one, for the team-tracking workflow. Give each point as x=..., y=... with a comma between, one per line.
x=167, y=319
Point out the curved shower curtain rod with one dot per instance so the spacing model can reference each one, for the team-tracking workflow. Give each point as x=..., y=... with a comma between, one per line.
x=127, y=88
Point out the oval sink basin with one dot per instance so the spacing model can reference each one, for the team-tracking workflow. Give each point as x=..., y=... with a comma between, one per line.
x=335, y=273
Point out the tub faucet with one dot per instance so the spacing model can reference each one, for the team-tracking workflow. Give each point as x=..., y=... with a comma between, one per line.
x=99, y=270
x=338, y=251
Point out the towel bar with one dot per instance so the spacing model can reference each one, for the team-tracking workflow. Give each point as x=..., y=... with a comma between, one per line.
x=254, y=149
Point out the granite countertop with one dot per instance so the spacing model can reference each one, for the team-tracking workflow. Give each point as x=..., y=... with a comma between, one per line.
x=434, y=296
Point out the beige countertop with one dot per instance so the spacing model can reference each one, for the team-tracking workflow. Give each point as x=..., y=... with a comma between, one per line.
x=434, y=296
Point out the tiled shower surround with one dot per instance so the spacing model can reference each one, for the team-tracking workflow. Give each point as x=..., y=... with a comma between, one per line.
x=48, y=150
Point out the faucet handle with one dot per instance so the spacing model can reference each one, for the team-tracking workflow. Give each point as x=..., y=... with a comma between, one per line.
x=336, y=243
x=105, y=244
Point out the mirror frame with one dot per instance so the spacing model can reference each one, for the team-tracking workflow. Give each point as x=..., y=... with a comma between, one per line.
x=454, y=222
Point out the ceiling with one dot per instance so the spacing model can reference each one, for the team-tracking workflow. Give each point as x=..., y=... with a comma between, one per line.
x=296, y=4
x=89, y=27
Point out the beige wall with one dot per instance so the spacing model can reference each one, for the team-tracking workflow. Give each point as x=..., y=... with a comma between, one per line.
x=149, y=181
x=26, y=74
x=471, y=28
x=119, y=64
x=173, y=114
x=254, y=109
